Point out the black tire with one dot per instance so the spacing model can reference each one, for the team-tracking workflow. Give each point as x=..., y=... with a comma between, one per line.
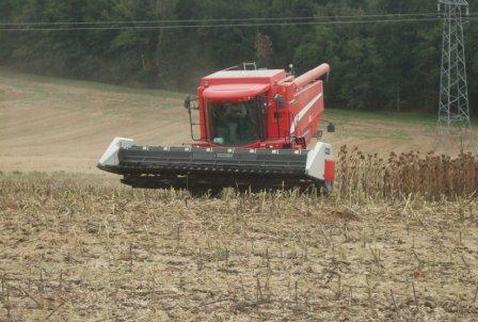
x=327, y=187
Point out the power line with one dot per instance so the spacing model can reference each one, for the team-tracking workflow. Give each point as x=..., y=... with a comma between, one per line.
x=231, y=25
x=225, y=20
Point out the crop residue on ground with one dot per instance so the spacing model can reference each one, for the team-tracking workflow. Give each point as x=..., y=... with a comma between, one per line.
x=77, y=249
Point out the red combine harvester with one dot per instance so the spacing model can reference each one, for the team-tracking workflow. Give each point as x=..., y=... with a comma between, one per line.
x=254, y=130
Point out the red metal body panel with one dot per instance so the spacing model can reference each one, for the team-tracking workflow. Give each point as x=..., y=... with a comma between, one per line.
x=329, y=171
x=292, y=125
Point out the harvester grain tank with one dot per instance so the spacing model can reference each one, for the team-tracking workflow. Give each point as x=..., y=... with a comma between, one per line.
x=253, y=131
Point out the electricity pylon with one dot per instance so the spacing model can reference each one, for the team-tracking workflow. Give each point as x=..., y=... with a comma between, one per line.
x=454, y=125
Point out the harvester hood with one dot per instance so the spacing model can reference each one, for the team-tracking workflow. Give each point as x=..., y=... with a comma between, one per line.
x=234, y=91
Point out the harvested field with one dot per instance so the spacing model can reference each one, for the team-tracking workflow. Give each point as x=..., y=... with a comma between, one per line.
x=78, y=248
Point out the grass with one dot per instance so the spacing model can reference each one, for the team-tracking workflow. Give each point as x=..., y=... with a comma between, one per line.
x=422, y=118
x=403, y=117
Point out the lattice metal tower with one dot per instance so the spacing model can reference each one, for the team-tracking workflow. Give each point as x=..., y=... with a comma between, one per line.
x=454, y=125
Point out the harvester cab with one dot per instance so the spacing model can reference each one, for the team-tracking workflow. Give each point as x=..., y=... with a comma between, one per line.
x=253, y=129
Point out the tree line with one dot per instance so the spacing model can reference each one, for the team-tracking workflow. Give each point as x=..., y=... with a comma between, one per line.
x=380, y=66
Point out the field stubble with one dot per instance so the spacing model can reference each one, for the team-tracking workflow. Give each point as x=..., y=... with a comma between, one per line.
x=387, y=245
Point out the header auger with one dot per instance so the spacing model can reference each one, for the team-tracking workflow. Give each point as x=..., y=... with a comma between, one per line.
x=253, y=132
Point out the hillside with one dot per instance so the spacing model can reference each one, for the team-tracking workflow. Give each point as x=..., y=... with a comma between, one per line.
x=52, y=124
x=58, y=125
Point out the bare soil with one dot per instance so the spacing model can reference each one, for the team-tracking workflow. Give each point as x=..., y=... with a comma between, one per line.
x=80, y=249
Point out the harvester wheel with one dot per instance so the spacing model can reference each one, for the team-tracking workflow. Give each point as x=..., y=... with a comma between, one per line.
x=327, y=187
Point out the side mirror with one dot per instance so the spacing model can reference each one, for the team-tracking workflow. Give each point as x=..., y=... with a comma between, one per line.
x=187, y=103
x=280, y=101
x=331, y=128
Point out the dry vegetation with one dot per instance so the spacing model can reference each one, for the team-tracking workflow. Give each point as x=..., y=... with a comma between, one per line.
x=403, y=246
x=433, y=177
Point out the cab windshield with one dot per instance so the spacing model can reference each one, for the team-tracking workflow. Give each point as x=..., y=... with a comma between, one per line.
x=235, y=124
